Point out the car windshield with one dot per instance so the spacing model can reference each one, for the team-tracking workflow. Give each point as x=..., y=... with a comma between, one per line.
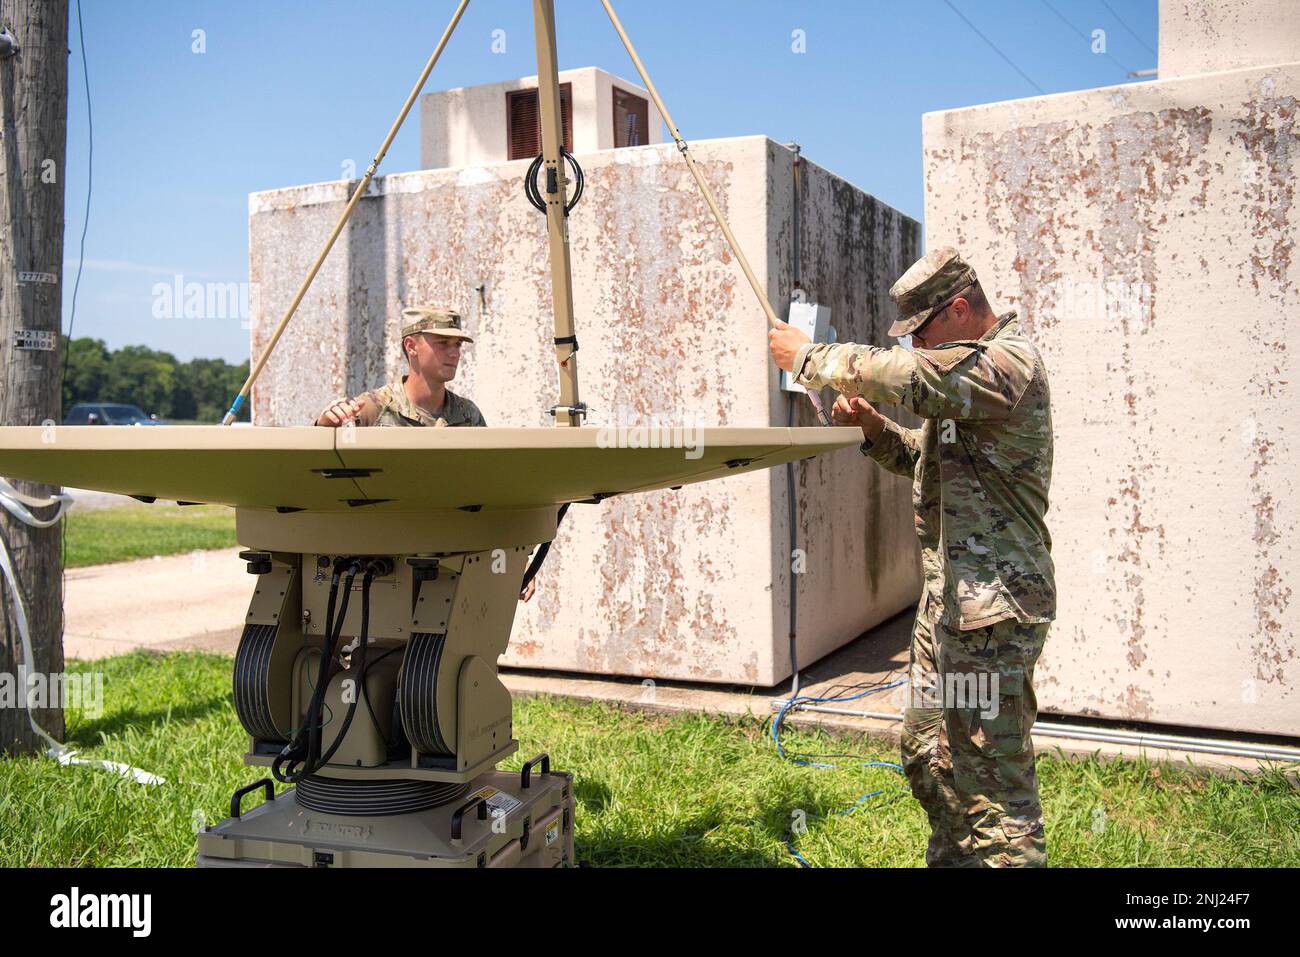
x=125, y=413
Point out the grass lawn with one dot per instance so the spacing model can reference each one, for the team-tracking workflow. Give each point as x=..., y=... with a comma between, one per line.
x=652, y=791
x=142, y=531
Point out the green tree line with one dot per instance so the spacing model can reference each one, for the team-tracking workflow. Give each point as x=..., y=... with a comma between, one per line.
x=157, y=382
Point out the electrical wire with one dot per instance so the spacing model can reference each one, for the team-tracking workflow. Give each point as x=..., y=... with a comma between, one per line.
x=1008, y=59
x=543, y=550
x=1132, y=32
x=365, y=692
x=803, y=758
x=799, y=757
x=72, y=312
x=315, y=725
x=359, y=666
x=297, y=759
x=1084, y=37
x=535, y=195
x=19, y=506
x=90, y=185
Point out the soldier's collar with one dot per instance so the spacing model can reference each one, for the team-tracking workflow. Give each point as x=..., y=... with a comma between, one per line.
x=410, y=410
x=1004, y=320
x=994, y=332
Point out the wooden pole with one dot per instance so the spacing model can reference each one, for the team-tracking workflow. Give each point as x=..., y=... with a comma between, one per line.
x=33, y=117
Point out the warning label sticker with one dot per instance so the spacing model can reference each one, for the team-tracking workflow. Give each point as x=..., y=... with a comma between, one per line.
x=552, y=832
x=498, y=802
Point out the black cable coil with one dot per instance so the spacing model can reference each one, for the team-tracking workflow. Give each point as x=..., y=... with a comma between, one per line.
x=252, y=664
x=377, y=798
x=419, y=693
x=534, y=194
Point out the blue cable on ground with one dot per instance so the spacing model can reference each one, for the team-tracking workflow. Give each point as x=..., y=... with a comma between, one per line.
x=802, y=758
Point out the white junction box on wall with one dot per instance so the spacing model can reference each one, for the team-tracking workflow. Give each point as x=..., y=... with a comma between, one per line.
x=814, y=321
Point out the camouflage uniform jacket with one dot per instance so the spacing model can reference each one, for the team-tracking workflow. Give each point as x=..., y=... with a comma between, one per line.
x=389, y=405
x=981, y=463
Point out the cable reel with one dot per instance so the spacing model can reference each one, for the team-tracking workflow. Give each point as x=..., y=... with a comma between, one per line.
x=552, y=185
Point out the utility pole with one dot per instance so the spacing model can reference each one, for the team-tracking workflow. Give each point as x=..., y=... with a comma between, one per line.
x=33, y=140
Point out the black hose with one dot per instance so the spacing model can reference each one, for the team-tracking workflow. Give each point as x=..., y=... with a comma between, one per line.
x=536, y=564
x=316, y=724
x=358, y=666
x=296, y=749
x=298, y=754
x=365, y=691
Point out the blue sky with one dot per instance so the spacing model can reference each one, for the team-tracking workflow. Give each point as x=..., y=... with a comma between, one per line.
x=286, y=92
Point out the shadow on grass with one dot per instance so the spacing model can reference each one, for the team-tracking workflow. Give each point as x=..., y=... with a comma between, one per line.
x=88, y=733
x=592, y=796
x=603, y=843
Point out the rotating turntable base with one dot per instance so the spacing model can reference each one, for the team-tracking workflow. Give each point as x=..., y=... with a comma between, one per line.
x=495, y=822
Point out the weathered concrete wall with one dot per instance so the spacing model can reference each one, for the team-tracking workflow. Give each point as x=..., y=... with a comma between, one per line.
x=1210, y=36
x=1147, y=234
x=468, y=126
x=852, y=248
x=688, y=584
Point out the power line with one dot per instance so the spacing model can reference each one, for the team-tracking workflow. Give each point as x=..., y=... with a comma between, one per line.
x=1008, y=59
x=72, y=313
x=90, y=182
x=1132, y=32
x=1084, y=37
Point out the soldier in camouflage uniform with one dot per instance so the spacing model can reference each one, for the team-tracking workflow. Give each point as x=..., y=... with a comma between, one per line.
x=431, y=340
x=981, y=464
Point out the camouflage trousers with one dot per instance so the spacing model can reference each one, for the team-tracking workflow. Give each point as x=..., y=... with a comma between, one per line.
x=970, y=764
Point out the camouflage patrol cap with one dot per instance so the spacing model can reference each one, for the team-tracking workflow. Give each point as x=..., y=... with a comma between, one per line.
x=434, y=320
x=933, y=280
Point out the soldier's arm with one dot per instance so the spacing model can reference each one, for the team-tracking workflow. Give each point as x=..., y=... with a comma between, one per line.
x=957, y=382
x=895, y=449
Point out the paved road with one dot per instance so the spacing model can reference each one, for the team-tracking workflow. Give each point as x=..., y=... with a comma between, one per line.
x=85, y=500
x=196, y=600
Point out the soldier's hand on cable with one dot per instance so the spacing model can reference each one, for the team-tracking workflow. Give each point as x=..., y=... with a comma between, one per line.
x=858, y=411
x=528, y=591
x=340, y=412
x=784, y=343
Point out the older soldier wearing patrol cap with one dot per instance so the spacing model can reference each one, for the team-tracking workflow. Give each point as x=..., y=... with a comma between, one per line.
x=431, y=339
x=981, y=465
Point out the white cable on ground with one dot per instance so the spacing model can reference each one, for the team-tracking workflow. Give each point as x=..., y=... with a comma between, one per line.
x=18, y=505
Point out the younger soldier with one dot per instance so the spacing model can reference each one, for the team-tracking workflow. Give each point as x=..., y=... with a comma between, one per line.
x=981, y=465
x=431, y=340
